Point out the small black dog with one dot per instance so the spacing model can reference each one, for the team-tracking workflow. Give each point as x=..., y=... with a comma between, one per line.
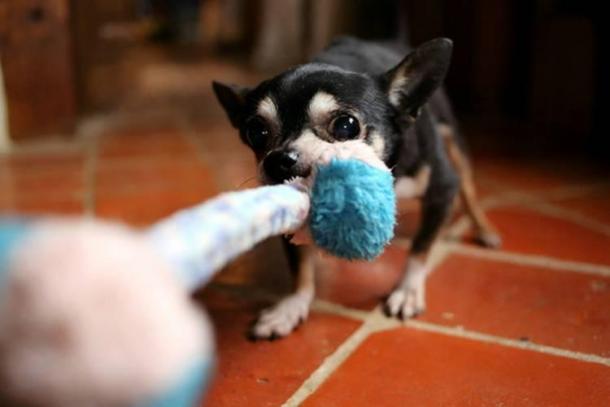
x=364, y=95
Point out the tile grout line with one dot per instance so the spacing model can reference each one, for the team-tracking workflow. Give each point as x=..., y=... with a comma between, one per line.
x=499, y=340
x=90, y=130
x=575, y=217
x=330, y=364
x=568, y=191
x=52, y=146
x=460, y=332
x=340, y=310
x=541, y=204
x=531, y=260
x=377, y=322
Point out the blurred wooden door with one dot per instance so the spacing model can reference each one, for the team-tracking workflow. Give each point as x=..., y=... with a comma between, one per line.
x=35, y=52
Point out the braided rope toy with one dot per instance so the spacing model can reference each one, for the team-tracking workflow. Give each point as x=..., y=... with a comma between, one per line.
x=94, y=312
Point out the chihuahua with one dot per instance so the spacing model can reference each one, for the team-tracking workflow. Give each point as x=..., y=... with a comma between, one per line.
x=370, y=96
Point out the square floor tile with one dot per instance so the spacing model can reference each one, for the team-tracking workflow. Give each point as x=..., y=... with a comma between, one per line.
x=531, y=232
x=558, y=308
x=405, y=367
x=265, y=373
x=144, y=142
x=143, y=206
x=185, y=172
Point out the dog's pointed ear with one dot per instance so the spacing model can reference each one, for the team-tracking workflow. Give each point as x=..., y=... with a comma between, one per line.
x=415, y=78
x=233, y=99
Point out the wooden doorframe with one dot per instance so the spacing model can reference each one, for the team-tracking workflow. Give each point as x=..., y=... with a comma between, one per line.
x=5, y=141
x=39, y=89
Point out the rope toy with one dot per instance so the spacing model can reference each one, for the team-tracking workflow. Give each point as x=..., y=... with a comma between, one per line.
x=95, y=312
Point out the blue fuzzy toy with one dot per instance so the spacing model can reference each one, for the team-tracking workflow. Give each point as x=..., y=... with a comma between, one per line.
x=353, y=209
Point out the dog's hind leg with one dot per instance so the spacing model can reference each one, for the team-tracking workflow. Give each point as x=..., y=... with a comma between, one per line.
x=486, y=233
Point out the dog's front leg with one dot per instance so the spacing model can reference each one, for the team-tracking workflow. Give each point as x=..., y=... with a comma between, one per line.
x=409, y=298
x=289, y=312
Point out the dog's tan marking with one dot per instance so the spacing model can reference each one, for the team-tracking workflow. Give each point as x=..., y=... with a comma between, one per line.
x=321, y=106
x=268, y=110
x=398, y=83
x=413, y=187
x=396, y=91
x=486, y=233
x=377, y=143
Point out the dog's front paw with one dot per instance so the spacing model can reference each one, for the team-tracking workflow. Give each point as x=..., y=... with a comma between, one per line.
x=406, y=302
x=282, y=318
x=409, y=298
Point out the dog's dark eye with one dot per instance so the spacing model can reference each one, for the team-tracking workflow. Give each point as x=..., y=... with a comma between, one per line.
x=257, y=133
x=345, y=127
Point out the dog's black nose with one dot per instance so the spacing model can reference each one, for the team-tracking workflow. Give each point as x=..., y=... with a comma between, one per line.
x=281, y=165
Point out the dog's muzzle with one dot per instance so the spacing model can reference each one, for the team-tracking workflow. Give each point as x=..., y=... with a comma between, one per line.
x=282, y=165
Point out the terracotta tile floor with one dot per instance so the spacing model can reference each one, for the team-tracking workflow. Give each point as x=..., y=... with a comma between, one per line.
x=525, y=325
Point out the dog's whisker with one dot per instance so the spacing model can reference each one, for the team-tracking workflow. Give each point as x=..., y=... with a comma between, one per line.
x=245, y=181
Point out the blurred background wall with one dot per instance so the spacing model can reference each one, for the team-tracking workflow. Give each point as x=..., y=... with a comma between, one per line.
x=529, y=73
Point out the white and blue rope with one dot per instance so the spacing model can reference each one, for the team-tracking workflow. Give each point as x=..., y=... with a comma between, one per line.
x=201, y=240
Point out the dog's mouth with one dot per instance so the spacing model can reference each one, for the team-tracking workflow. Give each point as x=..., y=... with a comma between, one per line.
x=299, y=172
x=300, y=237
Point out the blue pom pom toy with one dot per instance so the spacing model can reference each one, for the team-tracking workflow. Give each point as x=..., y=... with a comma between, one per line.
x=353, y=209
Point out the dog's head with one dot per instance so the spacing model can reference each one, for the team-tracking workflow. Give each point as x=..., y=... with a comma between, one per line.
x=297, y=118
